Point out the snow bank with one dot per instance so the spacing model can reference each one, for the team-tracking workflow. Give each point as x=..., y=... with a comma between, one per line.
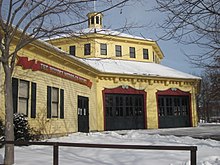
x=208, y=150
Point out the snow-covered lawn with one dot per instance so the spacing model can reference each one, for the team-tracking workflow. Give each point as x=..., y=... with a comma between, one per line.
x=208, y=150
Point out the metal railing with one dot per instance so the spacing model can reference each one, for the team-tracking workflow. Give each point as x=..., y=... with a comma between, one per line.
x=56, y=145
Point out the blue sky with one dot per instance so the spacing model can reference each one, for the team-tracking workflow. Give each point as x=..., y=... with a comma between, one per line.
x=139, y=14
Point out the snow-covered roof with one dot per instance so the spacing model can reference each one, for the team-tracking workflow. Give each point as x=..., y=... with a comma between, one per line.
x=100, y=31
x=135, y=68
x=127, y=67
x=110, y=32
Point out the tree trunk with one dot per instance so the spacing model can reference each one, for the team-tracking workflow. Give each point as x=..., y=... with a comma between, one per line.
x=207, y=112
x=9, y=127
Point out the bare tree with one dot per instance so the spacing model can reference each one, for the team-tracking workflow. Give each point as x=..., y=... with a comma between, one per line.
x=209, y=97
x=204, y=98
x=194, y=22
x=24, y=21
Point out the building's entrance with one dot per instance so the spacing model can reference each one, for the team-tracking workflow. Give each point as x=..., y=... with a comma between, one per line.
x=83, y=114
x=124, y=111
x=173, y=111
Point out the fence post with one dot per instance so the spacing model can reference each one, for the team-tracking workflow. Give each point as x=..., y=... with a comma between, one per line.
x=55, y=154
x=193, y=155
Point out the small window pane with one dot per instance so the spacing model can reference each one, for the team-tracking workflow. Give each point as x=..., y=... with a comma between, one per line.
x=109, y=111
x=55, y=95
x=23, y=89
x=23, y=105
x=79, y=111
x=54, y=111
x=84, y=112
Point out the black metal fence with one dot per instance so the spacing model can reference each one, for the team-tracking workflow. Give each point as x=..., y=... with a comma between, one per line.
x=56, y=145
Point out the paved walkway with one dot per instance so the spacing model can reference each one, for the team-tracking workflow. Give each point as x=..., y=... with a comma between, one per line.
x=203, y=131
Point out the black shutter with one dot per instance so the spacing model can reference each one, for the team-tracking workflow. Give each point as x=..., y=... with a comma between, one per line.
x=48, y=102
x=33, y=99
x=61, y=103
x=15, y=94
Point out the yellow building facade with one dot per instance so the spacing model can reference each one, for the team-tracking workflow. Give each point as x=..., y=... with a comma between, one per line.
x=98, y=79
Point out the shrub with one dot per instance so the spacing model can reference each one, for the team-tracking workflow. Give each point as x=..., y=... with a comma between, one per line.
x=22, y=130
x=2, y=132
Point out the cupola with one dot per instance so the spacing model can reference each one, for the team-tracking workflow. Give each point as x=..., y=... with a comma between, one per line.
x=95, y=20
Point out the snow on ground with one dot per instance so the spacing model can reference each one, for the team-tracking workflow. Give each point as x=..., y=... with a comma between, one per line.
x=208, y=150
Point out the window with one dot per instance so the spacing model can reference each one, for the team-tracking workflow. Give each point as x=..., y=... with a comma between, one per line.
x=100, y=20
x=173, y=106
x=124, y=105
x=55, y=102
x=87, y=49
x=145, y=54
x=153, y=57
x=23, y=96
x=72, y=50
x=97, y=19
x=118, y=51
x=92, y=20
x=103, y=49
x=132, y=52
